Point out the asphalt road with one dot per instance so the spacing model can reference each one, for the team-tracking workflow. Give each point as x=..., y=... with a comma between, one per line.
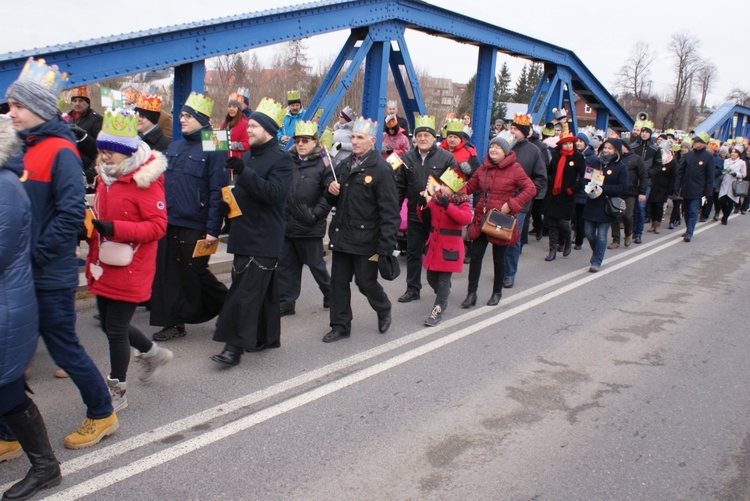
x=625, y=384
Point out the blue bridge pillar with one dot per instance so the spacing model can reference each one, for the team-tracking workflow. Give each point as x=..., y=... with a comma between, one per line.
x=187, y=78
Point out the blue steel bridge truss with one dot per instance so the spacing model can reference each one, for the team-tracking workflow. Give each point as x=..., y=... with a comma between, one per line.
x=376, y=38
x=728, y=121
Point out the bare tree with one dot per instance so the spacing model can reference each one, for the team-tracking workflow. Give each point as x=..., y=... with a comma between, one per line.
x=633, y=76
x=739, y=96
x=687, y=61
x=706, y=77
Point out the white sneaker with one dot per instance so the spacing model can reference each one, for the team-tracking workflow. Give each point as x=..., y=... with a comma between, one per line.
x=117, y=391
x=153, y=361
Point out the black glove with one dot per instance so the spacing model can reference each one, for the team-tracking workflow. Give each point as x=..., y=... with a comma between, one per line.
x=442, y=200
x=79, y=133
x=224, y=208
x=105, y=228
x=236, y=164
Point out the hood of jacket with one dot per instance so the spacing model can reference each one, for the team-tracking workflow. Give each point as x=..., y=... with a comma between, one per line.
x=54, y=127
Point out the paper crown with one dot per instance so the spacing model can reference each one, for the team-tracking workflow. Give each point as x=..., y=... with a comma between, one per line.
x=82, y=92
x=48, y=77
x=349, y=113
x=560, y=114
x=391, y=121
x=319, y=113
x=508, y=137
x=648, y=124
x=242, y=91
x=425, y=121
x=235, y=96
x=365, y=127
x=120, y=123
x=200, y=103
x=669, y=132
x=522, y=119
x=391, y=104
x=566, y=136
x=293, y=96
x=148, y=103
x=271, y=109
x=453, y=179
x=454, y=126
x=305, y=128
x=450, y=116
x=130, y=95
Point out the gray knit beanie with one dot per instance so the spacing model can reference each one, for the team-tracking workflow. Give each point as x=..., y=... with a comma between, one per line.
x=32, y=96
x=498, y=140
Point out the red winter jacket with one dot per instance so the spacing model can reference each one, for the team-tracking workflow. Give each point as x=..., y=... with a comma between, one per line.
x=135, y=204
x=445, y=244
x=500, y=182
x=238, y=134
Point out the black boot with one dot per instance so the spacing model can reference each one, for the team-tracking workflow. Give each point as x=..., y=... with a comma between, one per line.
x=551, y=256
x=28, y=426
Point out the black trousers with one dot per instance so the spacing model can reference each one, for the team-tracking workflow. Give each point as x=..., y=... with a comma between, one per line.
x=115, y=321
x=440, y=281
x=475, y=268
x=416, y=237
x=559, y=231
x=580, y=233
x=344, y=266
x=295, y=253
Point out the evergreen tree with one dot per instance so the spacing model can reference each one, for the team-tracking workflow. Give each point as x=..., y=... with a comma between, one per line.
x=536, y=71
x=466, y=103
x=521, y=91
x=502, y=93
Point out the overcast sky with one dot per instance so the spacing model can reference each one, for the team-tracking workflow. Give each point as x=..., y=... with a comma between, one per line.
x=602, y=40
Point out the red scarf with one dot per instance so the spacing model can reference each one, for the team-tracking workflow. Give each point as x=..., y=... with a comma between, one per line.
x=557, y=187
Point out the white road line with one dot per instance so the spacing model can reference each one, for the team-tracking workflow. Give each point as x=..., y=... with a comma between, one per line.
x=109, y=478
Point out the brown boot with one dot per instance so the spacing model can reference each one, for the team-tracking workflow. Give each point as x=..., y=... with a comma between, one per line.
x=657, y=227
x=652, y=228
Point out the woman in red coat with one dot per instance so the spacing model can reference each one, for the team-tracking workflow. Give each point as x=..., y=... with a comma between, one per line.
x=129, y=218
x=449, y=213
x=499, y=183
x=235, y=124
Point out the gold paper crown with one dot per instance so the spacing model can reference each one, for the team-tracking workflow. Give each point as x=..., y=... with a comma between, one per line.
x=200, y=103
x=647, y=124
x=293, y=95
x=235, y=96
x=120, y=123
x=450, y=115
x=453, y=180
x=454, y=126
x=365, y=127
x=79, y=92
x=148, y=103
x=319, y=113
x=522, y=119
x=130, y=95
x=271, y=109
x=303, y=128
x=424, y=121
x=48, y=77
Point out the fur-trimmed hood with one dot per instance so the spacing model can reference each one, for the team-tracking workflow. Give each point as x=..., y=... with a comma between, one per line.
x=151, y=170
x=9, y=142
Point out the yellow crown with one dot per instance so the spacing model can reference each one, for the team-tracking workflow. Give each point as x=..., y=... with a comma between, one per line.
x=79, y=92
x=148, y=103
x=48, y=77
x=427, y=121
x=271, y=109
x=120, y=123
x=319, y=113
x=200, y=103
x=522, y=119
x=130, y=95
x=293, y=95
x=454, y=126
x=235, y=96
x=303, y=128
x=365, y=127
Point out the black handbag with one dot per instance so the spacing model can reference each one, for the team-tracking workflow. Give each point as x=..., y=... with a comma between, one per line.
x=740, y=188
x=614, y=206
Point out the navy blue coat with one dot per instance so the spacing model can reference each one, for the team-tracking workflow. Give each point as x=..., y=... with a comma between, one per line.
x=615, y=185
x=695, y=175
x=18, y=308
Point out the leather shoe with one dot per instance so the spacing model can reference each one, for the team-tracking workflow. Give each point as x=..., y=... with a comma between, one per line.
x=508, y=282
x=262, y=346
x=471, y=300
x=384, y=321
x=687, y=238
x=495, y=299
x=638, y=240
x=408, y=296
x=227, y=357
x=335, y=335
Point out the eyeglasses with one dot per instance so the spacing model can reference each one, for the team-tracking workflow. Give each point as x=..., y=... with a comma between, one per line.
x=106, y=153
x=302, y=140
x=185, y=116
x=495, y=146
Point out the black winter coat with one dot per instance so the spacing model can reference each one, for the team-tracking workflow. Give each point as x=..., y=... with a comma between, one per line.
x=156, y=139
x=261, y=192
x=90, y=121
x=531, y=159
x=411, y=177
x=367, y=209
x=662, y=182
x=695, y=175
x=306, y=205
x=637, y=174
x=615, y=185
x=562, y=205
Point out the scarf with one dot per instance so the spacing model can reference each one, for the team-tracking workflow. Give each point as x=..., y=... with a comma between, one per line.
x=734, y=167
x=564, y=154
x=109, y=173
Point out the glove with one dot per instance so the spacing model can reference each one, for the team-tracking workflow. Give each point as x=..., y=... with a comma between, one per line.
x=78, y=132
x=703, y=201
x=442, y=200
x=465, y=167
x=236, y=164
x=105, y=228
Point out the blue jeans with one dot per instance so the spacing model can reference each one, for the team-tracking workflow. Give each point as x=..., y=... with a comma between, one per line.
x=692, y=208
x=597, y=235
x=57, y=326
x=513, y=253
x=638, y=215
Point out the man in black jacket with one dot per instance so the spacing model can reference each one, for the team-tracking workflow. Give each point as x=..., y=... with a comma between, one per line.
x=364, y=228
x=249, y=319
x=637, y=184
x=421, y=162
x=695, y=181
x=649, y=153
x=306, y=212
x=81, y=113
x=149, y=111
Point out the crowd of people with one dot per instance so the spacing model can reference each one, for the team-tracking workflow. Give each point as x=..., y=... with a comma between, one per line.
x=160, y=208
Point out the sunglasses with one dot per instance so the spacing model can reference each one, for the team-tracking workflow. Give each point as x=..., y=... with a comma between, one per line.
x=302, y=140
